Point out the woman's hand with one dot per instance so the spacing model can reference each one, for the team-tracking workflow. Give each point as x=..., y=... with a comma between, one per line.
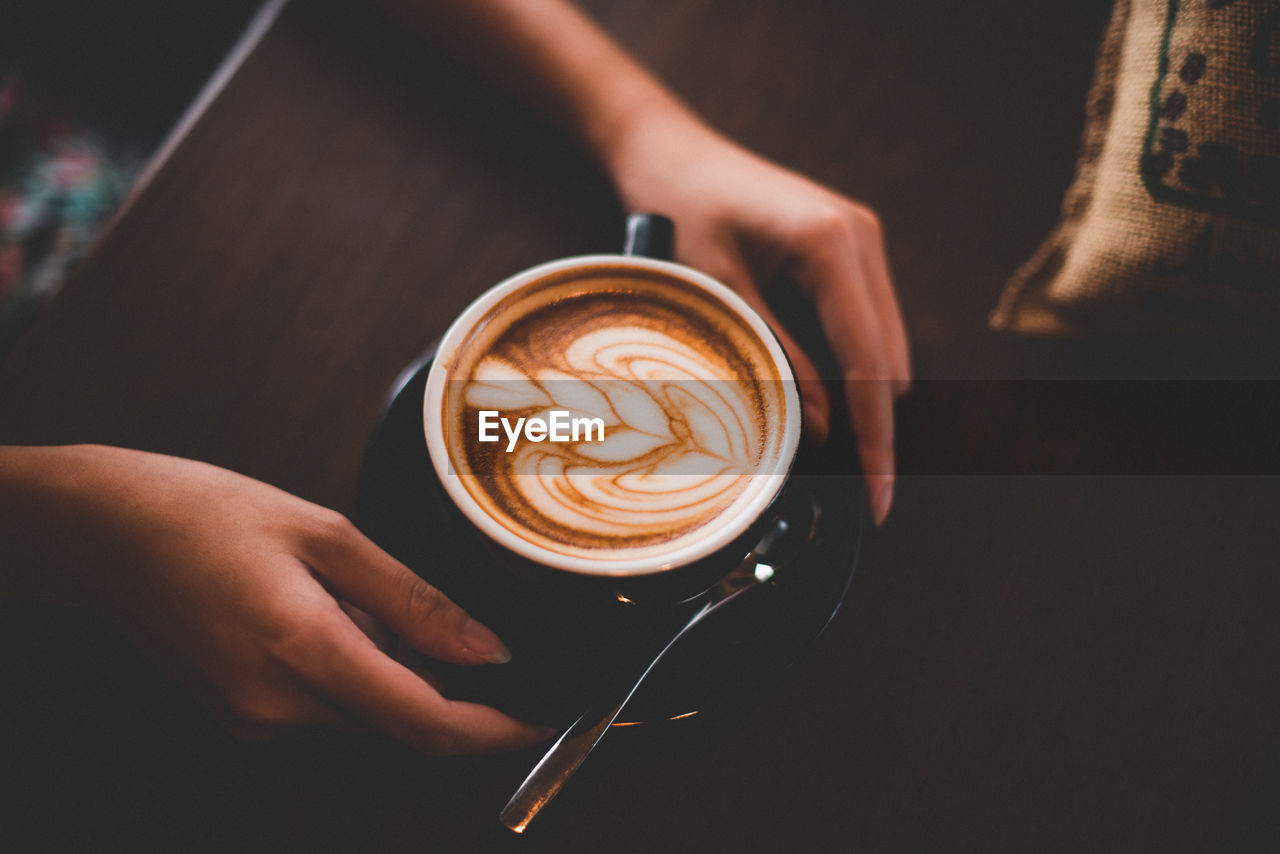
x=748, y=222
x=234, y=584
x=740, y=218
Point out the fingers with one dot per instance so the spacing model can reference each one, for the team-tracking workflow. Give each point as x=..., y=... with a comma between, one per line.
x=378, y=583
x=255, y=710
x=871, y=412
x=834, y=267
x=418, y=664
x=373, y=629
x=839, y=260
x=885, y=300
x=256, y=721
x=351, y=674
x=817, y=407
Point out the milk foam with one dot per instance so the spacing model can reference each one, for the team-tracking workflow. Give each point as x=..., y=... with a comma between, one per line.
x=691, y=400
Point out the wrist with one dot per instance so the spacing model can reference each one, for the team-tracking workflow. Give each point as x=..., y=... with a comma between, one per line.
x=52, y=502
x=646, y=140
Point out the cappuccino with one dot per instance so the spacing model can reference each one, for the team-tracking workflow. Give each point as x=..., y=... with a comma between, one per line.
x=688, y=415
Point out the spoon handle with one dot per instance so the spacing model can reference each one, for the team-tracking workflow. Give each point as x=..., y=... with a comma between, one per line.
x=565, y=756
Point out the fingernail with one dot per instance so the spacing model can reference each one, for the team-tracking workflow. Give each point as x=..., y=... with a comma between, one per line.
x=883, y=502
x=484, y=643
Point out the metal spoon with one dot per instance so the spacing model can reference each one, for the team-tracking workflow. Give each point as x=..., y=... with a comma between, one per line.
x=564, y=757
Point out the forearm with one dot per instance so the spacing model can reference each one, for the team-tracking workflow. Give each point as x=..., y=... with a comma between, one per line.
x=554, y=57
x=62, y=510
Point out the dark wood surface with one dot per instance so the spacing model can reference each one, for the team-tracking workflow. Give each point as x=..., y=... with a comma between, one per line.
x=1029, y=661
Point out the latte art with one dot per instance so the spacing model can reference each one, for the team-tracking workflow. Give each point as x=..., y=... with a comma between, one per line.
x=689, y=398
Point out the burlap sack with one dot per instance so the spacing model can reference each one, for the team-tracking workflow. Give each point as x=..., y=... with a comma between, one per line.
x=1173, y=220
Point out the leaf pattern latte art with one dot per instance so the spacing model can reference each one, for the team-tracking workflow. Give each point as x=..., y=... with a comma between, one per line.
x=676, y=445
x=685, y=391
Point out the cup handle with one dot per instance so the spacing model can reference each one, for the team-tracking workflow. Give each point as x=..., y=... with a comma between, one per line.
x=651, y=235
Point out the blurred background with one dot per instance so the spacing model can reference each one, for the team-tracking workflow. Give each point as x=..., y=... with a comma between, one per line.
x=1026, y=662
x=88, y=92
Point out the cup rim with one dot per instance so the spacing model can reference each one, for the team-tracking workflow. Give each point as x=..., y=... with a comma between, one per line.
x=746, y=514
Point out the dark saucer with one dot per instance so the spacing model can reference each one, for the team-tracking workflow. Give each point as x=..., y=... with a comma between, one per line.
x=562, y=661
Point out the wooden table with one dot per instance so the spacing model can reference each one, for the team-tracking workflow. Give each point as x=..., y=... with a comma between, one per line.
x=1030, y=660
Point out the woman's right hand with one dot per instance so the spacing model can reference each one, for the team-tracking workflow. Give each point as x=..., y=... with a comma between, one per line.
x=235, y=586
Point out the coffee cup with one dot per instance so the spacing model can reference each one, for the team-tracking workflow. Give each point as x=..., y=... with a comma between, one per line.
x=613, y=418
x=578, y=552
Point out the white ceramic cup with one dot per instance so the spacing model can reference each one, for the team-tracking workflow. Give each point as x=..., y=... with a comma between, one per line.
x=723, y=535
